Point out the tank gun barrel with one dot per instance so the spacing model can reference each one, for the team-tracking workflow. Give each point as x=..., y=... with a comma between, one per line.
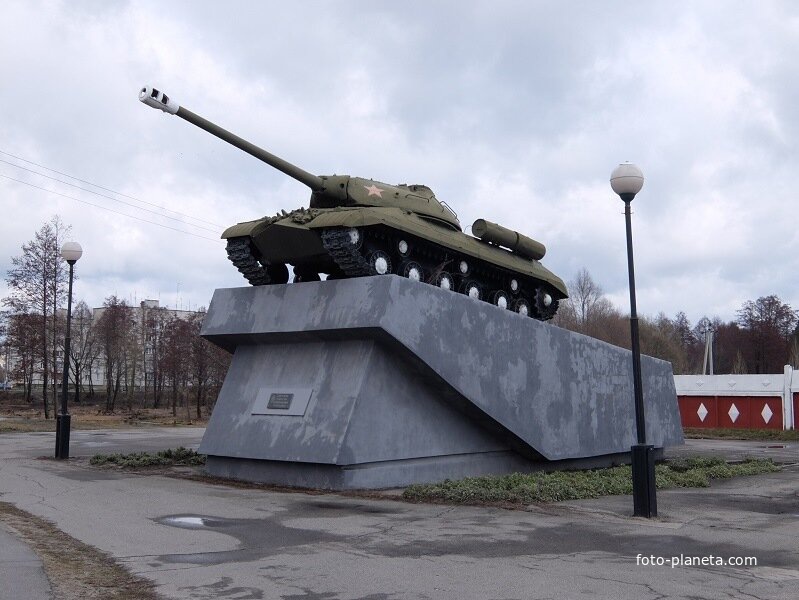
x=157, y=99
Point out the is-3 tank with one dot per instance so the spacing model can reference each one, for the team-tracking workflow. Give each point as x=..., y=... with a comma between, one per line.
x=356, y=227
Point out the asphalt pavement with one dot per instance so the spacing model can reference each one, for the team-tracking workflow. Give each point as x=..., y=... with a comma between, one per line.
x=201, y=540
x=21, y=571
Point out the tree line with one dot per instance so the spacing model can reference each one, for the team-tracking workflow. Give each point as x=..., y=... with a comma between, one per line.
x=762, y=339
x=146, y=356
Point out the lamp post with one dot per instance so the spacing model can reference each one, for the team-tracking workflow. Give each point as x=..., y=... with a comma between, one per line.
x=627, y=180
x=70, y=252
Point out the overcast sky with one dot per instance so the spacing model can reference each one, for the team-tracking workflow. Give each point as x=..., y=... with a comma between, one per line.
x=512, y=111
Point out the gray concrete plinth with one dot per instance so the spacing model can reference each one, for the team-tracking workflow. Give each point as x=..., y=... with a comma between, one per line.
x=381, y=381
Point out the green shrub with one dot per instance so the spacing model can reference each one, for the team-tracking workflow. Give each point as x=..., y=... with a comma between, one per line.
x=179, y=456
x=519, y=488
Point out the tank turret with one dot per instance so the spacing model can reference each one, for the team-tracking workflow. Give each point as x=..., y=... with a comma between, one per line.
x=357, y=227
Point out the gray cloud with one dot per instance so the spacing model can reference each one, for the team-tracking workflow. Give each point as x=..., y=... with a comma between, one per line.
x=514, y=111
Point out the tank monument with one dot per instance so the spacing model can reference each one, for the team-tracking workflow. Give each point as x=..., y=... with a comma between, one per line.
x=424, y=354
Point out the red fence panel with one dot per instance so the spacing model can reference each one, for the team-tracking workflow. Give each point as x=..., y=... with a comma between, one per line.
x=697, y=411
x=733, y=412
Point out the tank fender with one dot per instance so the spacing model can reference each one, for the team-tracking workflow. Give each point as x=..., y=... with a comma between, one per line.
x=248, y=228
x=348, y=218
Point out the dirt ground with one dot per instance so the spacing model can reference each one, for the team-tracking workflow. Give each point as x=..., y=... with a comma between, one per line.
x=18, y=416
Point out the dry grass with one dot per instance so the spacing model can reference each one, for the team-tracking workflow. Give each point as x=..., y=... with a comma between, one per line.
x=701, y=433
x=23, y=419
x=76, y=570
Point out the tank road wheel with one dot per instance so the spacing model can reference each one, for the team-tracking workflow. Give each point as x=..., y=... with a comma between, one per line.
x=403, y=248
x=546, y=305
x=412, y=270
x=380, y=262
x=464, y=268
x=500, y=299
x=522, y=307
x=355, y=237
x=514, y=286
x=445, y=281
x=471, y=289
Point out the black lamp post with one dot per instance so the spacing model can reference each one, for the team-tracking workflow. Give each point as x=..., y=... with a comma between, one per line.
x=627, y=180
x=70, y=252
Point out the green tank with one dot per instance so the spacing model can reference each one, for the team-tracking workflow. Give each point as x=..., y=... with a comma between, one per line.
x=356, y=227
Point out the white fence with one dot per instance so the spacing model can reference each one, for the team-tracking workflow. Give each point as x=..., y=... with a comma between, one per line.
x=739, y=401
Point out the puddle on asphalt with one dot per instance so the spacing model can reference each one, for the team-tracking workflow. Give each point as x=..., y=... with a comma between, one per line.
x=257, y=538
x=191, y=521
x=181, y=521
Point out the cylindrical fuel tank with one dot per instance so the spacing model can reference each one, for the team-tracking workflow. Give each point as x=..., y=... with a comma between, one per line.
x=513, y=241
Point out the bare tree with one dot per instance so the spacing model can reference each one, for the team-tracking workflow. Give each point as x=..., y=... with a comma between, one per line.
x=154, y=321
x=36, y=285
x=113, y=331
x=84, y=348
x=739, y=365
x=663, y=338
x=177, y=357
x=201, y=359
x=588, y=311
x=585, y=294
x=58, y=293
x=133, y=360
x=23, y=337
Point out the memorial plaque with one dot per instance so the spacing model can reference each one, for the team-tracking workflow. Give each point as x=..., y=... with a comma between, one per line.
x=288, y=402
x=280, y=401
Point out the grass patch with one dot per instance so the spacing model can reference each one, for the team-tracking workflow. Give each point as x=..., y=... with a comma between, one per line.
x=23, y=418
x=30, y=425
x=26, y=425
x=701, y=433
x=529, y=488
x=166, y=458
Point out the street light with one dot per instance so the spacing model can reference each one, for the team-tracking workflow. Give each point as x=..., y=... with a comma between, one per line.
x=627, y=180
x=70, y=252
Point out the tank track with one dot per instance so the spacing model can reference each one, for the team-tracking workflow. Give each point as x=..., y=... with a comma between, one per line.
x=239, y=251
x=352, y=260
x=345, y=254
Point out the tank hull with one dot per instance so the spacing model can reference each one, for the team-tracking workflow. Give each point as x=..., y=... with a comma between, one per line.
x=316, y=241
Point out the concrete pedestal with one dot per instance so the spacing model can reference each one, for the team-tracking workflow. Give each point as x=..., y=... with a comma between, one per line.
x=381, y=382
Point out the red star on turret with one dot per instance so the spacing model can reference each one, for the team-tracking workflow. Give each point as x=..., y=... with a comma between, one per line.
x=374, y=190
